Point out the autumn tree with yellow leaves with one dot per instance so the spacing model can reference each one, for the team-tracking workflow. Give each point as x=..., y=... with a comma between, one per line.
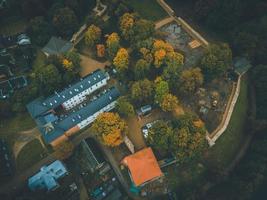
x=109, y=128
x=191, y=80
x=169, y=103
x=92, y=35
x=126, y=25
x=113, y=44
x=121, y=60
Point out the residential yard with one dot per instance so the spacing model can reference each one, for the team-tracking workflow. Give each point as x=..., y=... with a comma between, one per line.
x=142, y=7
x=36, y=152
x=11, y=127
x=225, y=149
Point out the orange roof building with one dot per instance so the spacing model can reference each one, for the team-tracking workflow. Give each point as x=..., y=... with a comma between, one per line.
x=143, y=166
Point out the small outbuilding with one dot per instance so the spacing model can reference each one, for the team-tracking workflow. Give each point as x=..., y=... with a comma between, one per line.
x=57, y=46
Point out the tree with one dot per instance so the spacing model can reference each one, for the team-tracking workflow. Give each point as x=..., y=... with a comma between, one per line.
x=92, y=36
x=172, y=74
x=174, y=59
x=141, y=69
x=74, y=57
x=121, y=61
x=100, y=50
x=32, y=8
x=147, y=55
x=65, y=21
x=142, y=91
x=142, y=30
x=109, y=129
x=191, y=80
x=127, y=21
x=163, y=50
x=216, y=60
x=159, y=135
x=124, y=107
x=46, y=78
x=63, y=150
x=189, y=137
x=162, y=89
x=113, y=44
x=39, y=30
x=169, y=103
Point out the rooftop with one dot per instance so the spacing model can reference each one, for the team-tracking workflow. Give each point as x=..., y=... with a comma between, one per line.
x=47, y=177
x=41, y=105
x=143, y=166
x=57, y=46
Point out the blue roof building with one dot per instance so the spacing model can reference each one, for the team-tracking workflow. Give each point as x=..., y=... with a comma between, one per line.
x=72, y=109
x=46, y=178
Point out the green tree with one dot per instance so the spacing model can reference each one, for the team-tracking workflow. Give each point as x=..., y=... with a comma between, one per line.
x=142, y=91
x=159, y=135
x=92, y=36
x=216, y=61
x=124, y=107
x=161, y=89
x=172, y=74
x=39, y=30
x=126, y=23
x=46, y=78
x=142, y=30
x=191, y=80
x=174, y=59
x=65, y=21
x=141, y=69
x=74, y=57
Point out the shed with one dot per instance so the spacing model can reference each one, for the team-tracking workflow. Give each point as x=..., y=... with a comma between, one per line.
x=57, y=46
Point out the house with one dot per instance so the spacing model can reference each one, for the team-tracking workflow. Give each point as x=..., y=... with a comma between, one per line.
x=64, y=113
x=56, y=46
x=46, y=178
x=143, y=167
x=7, y=87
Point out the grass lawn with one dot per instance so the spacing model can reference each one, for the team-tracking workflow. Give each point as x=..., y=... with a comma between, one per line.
x=9, y=128
x=148, y=9
x=39, y=60
x=225, y=149
x=29, y=155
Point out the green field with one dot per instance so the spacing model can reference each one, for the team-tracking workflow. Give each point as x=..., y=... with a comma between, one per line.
x=148, y=9
x=227, y=146
x=29, y=155
x=9, y=128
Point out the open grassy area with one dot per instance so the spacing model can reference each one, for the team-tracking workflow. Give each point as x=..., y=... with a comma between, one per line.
x=148, y=9
x=226, y=147
x=39, y=60
x=30, y=154
x=9, y=128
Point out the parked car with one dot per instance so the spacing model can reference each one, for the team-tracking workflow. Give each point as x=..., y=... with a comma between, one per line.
x=148, y=126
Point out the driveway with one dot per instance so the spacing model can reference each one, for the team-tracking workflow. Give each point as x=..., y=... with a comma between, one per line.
x=135, y=124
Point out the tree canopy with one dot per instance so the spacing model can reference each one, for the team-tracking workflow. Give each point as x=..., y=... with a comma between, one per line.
x=92, y=36
x=109, y=128
x=190, y=80
x=142, y=91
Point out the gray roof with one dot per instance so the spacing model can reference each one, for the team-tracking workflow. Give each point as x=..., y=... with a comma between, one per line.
x=57, y=46
x=39, y=106
x=71, y=120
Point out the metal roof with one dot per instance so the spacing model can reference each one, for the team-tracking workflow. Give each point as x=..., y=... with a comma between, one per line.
x=74, y=118
x=40, y=105
x=57, y=46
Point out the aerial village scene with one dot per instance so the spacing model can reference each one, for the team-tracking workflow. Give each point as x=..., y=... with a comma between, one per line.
x=133, y=99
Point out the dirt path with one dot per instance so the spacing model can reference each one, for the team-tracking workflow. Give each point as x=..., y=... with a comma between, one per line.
x=23, y=138
x=89, y=65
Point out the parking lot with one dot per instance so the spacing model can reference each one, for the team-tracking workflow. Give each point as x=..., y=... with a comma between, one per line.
x=135, y=124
